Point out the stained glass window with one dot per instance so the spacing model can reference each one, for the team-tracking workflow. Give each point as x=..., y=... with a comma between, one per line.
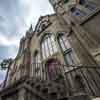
x=67, y=49
x=64, y=42
x=49, y=46
x=77, y=12
x=91, y=6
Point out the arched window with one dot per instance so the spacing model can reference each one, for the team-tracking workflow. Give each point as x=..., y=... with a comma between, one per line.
x=64, y=42
x=36, y=64
x=90, y=5
x=68, y=51
x=78, y=12
x=48, y=46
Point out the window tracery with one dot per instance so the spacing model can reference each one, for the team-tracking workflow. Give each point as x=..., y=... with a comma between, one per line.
x=48, y=46
x=43, y=24
x=68, y=51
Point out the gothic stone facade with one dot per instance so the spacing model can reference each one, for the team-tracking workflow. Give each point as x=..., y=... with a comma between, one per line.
x=64, y=44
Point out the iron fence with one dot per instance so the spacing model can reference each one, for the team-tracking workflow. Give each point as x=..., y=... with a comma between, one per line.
x=77, y=79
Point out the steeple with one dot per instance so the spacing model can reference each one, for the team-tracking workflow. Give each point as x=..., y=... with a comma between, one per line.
x=29, y=32
x=30, y=29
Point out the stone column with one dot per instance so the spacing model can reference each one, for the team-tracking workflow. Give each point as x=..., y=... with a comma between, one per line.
x=22, y=94
x=27, y=61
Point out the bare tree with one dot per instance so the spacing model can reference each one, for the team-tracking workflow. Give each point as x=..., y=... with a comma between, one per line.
x=4, y=65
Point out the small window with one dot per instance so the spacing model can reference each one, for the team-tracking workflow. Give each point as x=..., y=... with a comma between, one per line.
x=88, y=4
x=77, y=12
x=91, y=6
x=70, y=56
x=69, y=53
x=66, y=1
x=82, y=2
x=64, y=42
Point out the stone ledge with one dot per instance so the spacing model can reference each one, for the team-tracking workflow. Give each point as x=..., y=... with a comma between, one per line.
x=96, y=98
x=79, y=97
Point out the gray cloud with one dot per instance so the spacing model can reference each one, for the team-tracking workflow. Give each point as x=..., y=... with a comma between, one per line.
x=17, y=15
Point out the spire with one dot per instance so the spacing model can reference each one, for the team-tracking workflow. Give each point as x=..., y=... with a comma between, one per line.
x=31, y=29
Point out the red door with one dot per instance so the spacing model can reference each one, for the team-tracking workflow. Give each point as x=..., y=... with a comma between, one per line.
x=53, y=68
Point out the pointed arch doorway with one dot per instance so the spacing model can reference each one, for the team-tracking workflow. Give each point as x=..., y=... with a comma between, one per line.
x=53, y=68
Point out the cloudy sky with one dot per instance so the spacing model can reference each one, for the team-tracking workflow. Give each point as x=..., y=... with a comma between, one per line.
x=15, y=18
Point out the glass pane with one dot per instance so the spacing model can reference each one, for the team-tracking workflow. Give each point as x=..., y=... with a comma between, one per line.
x=55, y=48
x=67, y=44
x=68, y=58
x=48, y=41
x=43, y=50
x=46, y=48
x=91, y=6
x=62, y=44
x=33, y=60
x=50, y=46
x=73, y=55
x=52, y=39
x=78, y=12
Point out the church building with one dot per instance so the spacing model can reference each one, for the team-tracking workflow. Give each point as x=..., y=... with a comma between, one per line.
x=60, y=58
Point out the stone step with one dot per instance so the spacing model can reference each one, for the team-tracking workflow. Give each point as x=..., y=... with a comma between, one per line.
x=53, y=96
x=63, y=98
x=79, y=97
x=49, y=89
x=96, y=98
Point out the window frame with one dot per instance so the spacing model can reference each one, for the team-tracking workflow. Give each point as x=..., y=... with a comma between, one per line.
x=76, y=12
x=36, y=63
x=69, y=51
x=90, y=6
x=50, y=46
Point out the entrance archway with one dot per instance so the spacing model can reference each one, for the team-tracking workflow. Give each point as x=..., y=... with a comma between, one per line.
x=53, y=68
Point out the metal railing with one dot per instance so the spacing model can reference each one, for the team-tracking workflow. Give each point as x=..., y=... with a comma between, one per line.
x=85, y=79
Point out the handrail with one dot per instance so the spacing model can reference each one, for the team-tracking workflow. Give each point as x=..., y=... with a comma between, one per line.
x=88, y=76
